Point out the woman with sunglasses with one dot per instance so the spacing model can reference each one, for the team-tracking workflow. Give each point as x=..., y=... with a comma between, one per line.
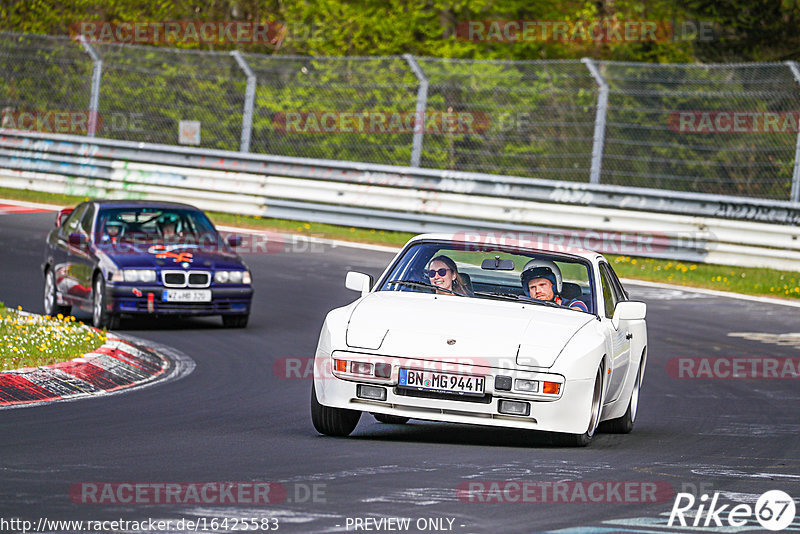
x=442, y=272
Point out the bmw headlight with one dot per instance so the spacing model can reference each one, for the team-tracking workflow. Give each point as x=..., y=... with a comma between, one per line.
x=139, y=275
x=232, y=277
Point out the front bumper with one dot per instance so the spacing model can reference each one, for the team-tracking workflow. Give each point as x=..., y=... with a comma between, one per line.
x=136, y=299
x=569, y=412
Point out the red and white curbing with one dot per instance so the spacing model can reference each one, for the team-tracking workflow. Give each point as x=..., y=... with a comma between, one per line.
x=116, y=365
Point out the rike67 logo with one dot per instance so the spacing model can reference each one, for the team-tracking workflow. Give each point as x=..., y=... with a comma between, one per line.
x=774, y=510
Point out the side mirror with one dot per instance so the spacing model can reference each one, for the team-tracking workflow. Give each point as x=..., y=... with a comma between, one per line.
x=358, y=282
x=629, y=310
x=235, y=240
x=76, y=240
x=62, y=215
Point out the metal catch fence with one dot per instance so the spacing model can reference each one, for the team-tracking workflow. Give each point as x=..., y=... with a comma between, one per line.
x=704, y=129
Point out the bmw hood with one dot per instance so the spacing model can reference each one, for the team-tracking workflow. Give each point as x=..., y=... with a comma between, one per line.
x=170, y=257
x=458, y=329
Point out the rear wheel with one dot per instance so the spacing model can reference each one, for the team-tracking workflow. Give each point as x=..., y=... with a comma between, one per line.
x=51, y=306
x=582, y=440
x=332, y=421
x=235, y=321
x=101, y=317
x=624, y=424
x=390, y=419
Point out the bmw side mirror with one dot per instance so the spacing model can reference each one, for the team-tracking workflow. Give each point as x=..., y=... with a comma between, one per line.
x=76, y=239
x=235, y=240
x=63, y=214
x=358, y=282
x=628, y=310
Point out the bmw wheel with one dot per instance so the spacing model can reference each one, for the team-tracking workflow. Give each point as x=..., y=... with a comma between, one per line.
x=51, y=305
x=101, y=318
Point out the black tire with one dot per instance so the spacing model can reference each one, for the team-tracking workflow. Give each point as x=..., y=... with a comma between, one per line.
x=390, y=419
x=235, y=321
x=51, y=306
x=332, y=421
x=624, y=424
x=582, y=440
x=101, y=318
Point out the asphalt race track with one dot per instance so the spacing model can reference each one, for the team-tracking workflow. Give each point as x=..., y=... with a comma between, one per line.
x=235, y=418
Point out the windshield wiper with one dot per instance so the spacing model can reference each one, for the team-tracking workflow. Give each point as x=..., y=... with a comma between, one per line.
x=504, y=296
x=514, y=296
x=422, y=284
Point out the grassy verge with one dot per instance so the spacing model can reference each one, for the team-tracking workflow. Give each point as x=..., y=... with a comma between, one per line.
x=750, y=281
x=34, y=340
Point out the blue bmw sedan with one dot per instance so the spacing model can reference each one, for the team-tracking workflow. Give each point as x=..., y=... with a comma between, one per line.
x=122, y=257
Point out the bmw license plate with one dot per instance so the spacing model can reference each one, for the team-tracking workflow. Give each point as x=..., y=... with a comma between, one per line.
x=442, y=382
x=186, y=295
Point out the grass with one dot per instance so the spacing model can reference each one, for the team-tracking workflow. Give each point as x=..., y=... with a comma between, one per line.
x=35, y=340
x=746, y=280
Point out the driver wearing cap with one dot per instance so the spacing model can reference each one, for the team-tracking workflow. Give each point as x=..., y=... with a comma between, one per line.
x=541, y=280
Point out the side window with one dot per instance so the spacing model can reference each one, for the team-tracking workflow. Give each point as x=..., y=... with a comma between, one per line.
x=73, y=221
x=86, y=221
x=609, y=297
x=622, y=294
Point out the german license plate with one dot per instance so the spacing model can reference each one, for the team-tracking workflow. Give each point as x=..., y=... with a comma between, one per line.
x=186, y=295
x=442, y=382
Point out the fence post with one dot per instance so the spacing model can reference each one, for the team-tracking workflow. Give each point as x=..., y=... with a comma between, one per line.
x=795, y=194
x=422, y=102
x=97, y=73
x=599, y=121
x=249, y=101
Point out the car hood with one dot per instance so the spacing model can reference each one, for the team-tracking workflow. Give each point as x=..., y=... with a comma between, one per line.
x=458, y=329
x=170, y=257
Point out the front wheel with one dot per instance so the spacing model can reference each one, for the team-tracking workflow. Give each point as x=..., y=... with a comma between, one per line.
x=332, y=421
x=101, y=317
x=624, y=424
x=582, y=440
x=51, y=305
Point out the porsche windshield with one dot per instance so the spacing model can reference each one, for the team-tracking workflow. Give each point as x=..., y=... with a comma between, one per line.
x=494, y=273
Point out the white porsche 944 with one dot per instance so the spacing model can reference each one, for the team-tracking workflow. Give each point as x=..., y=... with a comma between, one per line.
x=484, y=333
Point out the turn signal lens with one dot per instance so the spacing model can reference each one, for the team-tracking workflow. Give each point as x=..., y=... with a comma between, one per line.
x=551, y=388
x=340, y=365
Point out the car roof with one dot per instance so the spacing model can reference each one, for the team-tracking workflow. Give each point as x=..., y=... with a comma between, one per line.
x=102, y=203
x=518, y=239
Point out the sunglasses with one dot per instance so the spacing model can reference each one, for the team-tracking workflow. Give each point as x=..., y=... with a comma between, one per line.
x=441, y=272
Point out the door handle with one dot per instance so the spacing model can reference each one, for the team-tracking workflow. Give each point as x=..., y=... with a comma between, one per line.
x=628, y=335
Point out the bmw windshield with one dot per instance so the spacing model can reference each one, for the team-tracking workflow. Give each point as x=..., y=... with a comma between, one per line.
x=154, y=225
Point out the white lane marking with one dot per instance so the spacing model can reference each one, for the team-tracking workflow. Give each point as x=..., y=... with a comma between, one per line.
x=749, y=430
x=364, y=471
x=713, y=292
x=26, y=204
x=732, y=473
x=790, y=339
x=416, y=496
